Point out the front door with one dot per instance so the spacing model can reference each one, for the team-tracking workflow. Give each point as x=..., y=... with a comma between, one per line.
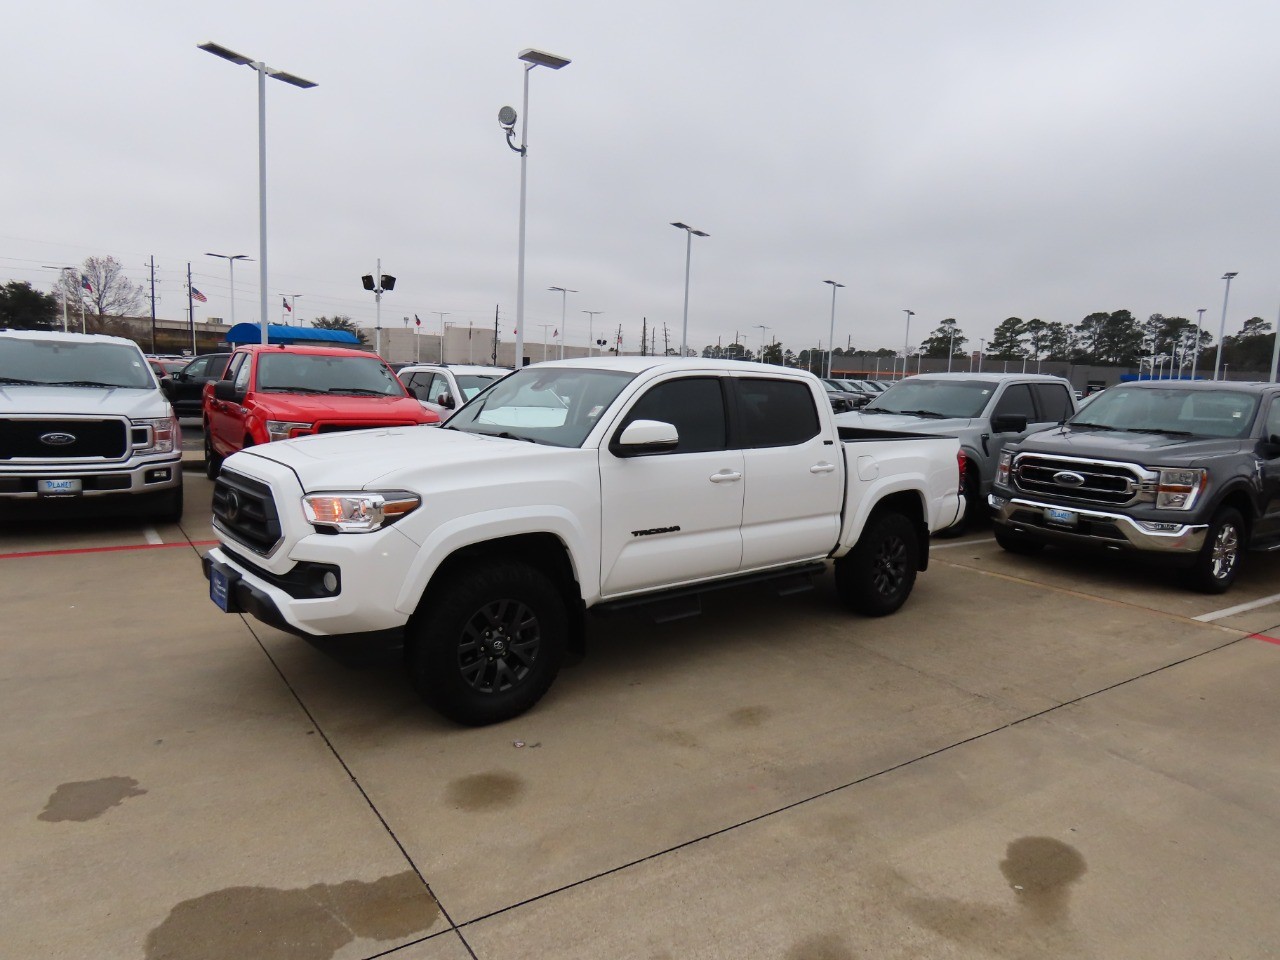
x=672, y=517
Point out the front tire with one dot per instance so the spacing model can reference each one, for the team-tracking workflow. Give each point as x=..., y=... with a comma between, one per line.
x=169, y=505
x=489, y=642
x=212, y=462
x=1218, y=562
x=877, y=575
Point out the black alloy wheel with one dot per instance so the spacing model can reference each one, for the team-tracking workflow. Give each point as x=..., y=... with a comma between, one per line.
x=877, y=575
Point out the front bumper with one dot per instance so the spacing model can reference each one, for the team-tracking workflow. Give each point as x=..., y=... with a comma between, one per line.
x=154, y=474
x=1096, y=528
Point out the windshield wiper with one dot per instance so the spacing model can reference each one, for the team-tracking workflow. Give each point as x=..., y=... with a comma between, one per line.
x=360, y=391
x=1091, y=426
x=511, y=436
x=293, y=389
x=929, y=414
x=84, y=383
x=24, y=383
x=1162, y=431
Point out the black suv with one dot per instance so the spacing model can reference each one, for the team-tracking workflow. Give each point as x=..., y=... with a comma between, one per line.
x=1186, y=471
x=185, y=389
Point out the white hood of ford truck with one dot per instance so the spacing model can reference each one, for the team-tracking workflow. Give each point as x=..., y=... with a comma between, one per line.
x=137, y=403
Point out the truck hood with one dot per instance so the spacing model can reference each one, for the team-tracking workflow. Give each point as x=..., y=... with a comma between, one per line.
x=904, y=422
x=381, y=456
x=136, y=403
x=312, y=407
x=1148, y=449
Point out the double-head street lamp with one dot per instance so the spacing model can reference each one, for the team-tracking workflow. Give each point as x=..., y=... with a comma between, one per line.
x=564, y=298
x=507, y=119
x=379, y=283
x=263, y=72
x=688, y=256
x=1222, y=326
x=831, y=340
x=231, y=262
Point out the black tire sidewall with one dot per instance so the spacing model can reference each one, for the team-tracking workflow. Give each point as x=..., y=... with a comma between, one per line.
x=855, y=572
x=432, y=650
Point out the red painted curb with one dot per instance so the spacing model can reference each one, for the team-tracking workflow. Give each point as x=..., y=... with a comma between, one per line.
x=138, y=546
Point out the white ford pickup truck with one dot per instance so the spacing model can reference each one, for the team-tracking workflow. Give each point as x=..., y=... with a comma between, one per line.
x=570, y=486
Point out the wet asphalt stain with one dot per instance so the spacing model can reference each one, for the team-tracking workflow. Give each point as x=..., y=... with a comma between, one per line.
x=823, y=946
x=749, y=716
x=88, y=799
x=485, y=791
x=1039, y=871
x=309, y=923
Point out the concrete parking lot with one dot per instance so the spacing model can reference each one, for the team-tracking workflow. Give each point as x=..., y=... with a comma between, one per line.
x=1037, y=757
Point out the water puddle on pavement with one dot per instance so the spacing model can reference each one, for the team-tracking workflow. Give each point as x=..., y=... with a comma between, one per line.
x=88, y=799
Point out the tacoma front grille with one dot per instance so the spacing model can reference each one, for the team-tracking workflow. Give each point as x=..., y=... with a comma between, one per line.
x=63, y=439
x=1080, y=481
x=245, y=510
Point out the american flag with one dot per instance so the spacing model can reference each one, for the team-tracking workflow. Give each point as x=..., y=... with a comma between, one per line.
x=197, y=296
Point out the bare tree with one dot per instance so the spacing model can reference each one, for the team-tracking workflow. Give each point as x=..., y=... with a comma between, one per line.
x=100, y=290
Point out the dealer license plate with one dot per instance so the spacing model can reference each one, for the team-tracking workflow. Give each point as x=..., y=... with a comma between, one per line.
x=69, y=487
x=220, y=582
x=1060, y=517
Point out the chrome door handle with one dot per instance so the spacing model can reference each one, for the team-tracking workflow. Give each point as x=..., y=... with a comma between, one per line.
x=823, y=467
x=725, y=476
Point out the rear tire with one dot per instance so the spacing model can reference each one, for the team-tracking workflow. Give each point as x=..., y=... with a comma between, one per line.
x=1013, y=542
x=1218, y=562
x=877, y=575
x=489, y=642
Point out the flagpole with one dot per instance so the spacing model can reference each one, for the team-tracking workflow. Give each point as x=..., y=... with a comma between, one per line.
x=191, y=313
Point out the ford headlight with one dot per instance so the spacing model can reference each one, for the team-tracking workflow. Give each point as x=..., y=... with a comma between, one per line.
x=284, y=429
x=162, y=435
x=1179, y=489
x=360, y=511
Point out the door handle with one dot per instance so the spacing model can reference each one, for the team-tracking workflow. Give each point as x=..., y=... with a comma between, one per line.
x=823, y=467
x=725, y=476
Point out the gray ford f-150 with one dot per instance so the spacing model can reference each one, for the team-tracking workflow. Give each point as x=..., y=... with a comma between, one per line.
x=1178, y=470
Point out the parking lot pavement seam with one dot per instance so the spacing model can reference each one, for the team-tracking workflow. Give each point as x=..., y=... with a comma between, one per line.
x=837, y=789
x=1079, y=595
x=355, y=781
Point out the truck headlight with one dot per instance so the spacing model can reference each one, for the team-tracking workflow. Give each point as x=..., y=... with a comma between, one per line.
x=1179, y=489
x=161, y=435
x=1003, y=468
x=360, y=511
x=284, y=429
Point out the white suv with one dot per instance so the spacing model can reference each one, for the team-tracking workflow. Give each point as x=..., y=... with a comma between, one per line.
x=442, y=388
x=82, y=418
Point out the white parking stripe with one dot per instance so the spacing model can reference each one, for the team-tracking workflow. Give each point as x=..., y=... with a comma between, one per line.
x=962, y=543
x=1229, y=611
x=151, y=536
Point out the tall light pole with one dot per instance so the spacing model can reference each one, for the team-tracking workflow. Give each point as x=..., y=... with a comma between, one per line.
x=688, y=257
x=906, y=340
x=951, y=350
x=231, y=263
x=293, y=306
x=832, y=339
x=379, y=284
x=1222, y=326
x=507, y=119
x=763, y=331
x=564, y=297
x=591, y=317
x=263, y=72
x=1195, y=351
x=66, y=288
x=544, y=339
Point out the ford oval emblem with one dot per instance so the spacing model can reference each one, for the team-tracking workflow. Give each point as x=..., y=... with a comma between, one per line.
x=1066, y=478
x=57, y=439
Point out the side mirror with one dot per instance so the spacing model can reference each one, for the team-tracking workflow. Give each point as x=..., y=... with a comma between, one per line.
x=445, y=400
x=646, y=436
x=226, y=390
x=1009, y=423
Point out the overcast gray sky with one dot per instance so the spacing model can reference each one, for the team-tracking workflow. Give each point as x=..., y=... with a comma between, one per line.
x=975, y=160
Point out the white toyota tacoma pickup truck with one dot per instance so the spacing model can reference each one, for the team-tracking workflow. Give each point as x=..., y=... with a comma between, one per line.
x=596, y=484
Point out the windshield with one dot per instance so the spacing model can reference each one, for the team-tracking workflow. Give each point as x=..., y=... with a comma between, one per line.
x=317, y=373
x=934, y=398
x=557, y=406
x=73, y=363
x=472, y=383
x=1173, y=410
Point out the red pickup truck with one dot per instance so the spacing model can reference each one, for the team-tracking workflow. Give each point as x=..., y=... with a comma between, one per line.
x=277, y=392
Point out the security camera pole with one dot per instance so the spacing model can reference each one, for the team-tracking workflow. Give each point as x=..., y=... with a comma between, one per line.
x=507, y=118
x=385, y=283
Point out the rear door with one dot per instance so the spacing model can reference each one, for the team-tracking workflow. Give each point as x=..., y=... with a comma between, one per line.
x=795, y=481
x=672, y=517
